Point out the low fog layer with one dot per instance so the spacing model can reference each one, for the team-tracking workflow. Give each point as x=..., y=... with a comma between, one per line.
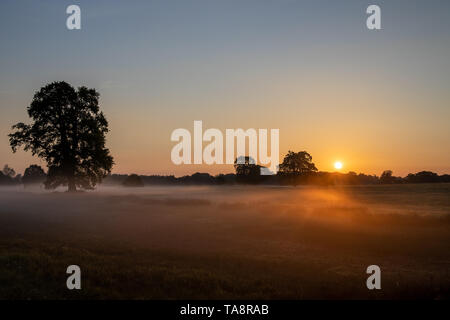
x=299, y=241
x=161, y=216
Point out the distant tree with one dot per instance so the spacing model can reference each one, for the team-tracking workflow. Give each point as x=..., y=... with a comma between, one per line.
x=386, y=177
x=8, y=171
x=220, y=178
x=197, y=178
x=297, y=163
x=225, y=178
x=17, y=179
x=245, y=165
x=34, y=174
x=68, y=132
x=247, y=171
x=386, y=174
x=423, y=177
x=367, y=179
x=296, y=168
x=133, y=180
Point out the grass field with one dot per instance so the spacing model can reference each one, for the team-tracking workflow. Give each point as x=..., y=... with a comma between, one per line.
x=236, y=242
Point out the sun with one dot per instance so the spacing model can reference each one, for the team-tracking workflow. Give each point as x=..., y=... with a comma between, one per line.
x=338, y=165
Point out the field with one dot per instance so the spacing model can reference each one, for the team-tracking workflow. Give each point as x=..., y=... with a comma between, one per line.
x=227, y=242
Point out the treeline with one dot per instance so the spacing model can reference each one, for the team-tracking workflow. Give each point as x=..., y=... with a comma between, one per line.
x=34, y=174
x=312, y=178
x=297, y=168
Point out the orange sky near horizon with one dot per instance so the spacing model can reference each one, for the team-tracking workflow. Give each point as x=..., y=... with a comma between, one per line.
x=367, y=132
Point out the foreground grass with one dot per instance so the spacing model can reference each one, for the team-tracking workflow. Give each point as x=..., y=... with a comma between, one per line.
x=297, y=245
x=38, y=272
x=30, y=270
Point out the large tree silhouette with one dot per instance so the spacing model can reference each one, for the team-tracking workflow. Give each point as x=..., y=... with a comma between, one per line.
x=297, y=163
x=296, y=167
x=68, y=132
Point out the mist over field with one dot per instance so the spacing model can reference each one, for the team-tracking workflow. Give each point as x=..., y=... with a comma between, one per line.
x=225, y=150
x=227, y=241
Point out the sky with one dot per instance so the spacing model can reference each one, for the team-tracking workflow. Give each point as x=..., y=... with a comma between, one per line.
x=372, y=99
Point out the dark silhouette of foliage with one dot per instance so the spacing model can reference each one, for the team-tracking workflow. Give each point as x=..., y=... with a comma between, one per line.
x=133, y=180
x=4, y=179
x=297, y=163
x=8, y=171
x=315, y=178
x=220, y=179
x=8, y=176
x=386, y=177
x=297, y=168
x=197, y=178
x=423, y=177
x=34, y=174
x=68, y=132
x=247, y=171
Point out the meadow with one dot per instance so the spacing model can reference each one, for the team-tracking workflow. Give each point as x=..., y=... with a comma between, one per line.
x=227, y=242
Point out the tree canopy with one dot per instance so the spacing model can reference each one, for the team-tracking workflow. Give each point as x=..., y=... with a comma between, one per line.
x=247, y=171
x=297, y=163
x=68, y=132
x=34, y=174
x=8, y=171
